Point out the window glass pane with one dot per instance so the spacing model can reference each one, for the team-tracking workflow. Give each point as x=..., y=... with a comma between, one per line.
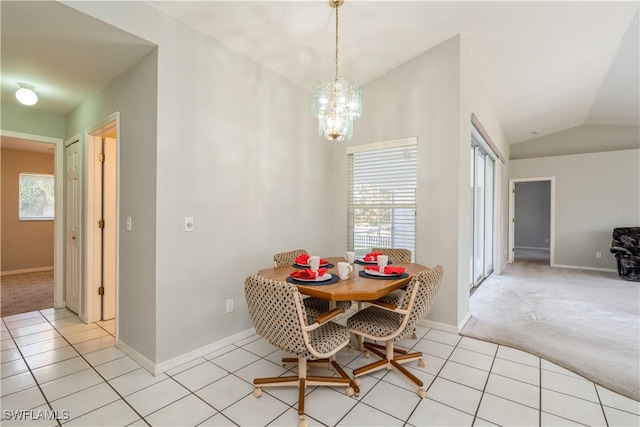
x=483, y=169
x=472, y=175
x=36, y=193
x=489, y=215
x=479, y=214
x=382, y=199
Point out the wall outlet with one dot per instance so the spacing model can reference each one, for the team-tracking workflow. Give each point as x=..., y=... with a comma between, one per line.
x=598, y=255
x=229, y=305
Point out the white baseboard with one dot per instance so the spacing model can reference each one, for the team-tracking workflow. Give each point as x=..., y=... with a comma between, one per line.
x=439, y=326
x=26, y=270
x=533, y=247
x=579, y=267
x=464, y=321
x=199, y=352
x=142, y=361
x=158, y=368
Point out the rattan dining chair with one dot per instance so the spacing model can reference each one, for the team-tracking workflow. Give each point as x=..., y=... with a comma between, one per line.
x=287, y=258
x=314, y=305
x=280, y=317
x=389, y=323
x=395, y=255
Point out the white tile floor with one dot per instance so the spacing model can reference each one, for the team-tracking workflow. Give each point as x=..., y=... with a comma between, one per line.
x=54, y=365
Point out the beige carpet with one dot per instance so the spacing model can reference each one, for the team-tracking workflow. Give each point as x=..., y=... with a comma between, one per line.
x=585, y=321
x=24, y=292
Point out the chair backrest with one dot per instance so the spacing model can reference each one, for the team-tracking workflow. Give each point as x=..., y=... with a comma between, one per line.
x=428, y=283
x=287, y=258
x=275, y=309
x=395, y=255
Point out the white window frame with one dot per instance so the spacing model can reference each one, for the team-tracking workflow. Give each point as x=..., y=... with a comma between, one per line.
x=21, y=217
x=409, y=201
x=486, y=235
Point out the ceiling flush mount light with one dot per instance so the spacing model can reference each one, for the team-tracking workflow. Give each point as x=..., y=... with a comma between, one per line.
x=26, y=95
x=336, y=102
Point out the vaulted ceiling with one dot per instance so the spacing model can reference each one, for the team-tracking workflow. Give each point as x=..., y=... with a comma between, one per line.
x=545, y=65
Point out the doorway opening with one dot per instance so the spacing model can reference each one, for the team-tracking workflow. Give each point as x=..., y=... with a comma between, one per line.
x=44, y=144
x=531, y=212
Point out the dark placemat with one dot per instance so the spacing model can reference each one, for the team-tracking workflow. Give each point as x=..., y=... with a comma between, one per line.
x=358, y=261
x=334, y=279
x=302, y=267
x=371, y=276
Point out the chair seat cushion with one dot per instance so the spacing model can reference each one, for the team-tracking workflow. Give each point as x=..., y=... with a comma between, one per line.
x=375, y=321
x=328, y=336
x=322, y=305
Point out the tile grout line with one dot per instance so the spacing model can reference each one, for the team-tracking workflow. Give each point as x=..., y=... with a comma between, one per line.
x=99, y=374
x=24, y=360
x=604, y=413
x=540, y=390
x=218, y=411
x=484, y=388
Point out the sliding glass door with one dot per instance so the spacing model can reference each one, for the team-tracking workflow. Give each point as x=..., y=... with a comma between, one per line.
x=482, y=209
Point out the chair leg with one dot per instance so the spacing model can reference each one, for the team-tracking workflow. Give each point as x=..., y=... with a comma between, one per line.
x=302, y=380
x=392, y=358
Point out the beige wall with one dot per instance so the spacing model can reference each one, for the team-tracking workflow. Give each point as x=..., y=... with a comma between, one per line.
x=432, y=98
x=25, y=244
x=594, y=193
x=234, y=155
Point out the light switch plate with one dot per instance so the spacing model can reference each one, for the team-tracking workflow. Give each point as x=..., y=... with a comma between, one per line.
x=188, y=223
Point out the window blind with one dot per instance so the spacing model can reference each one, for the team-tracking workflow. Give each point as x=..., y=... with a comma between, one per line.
x=381, y=205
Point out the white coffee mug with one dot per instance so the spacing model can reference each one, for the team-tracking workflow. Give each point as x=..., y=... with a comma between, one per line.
x=344, y=268
x=350, y=257
x=383, y=260
x=314, y=262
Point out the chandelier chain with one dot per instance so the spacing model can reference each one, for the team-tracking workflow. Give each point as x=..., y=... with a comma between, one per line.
x=337, y=7
x=336, y=103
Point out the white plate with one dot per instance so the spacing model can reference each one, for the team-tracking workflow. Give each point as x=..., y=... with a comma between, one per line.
x=377, y=273
x=361, y=259
x=324, y=277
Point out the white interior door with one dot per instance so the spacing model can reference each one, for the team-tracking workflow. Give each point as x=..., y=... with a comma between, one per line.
x=72, y=227
x=109, y=232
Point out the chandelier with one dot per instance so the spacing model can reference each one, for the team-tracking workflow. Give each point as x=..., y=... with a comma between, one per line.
x=336, y=102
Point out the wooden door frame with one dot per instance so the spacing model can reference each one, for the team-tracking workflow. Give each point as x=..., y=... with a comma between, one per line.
x=58, y=227
x=93, y=136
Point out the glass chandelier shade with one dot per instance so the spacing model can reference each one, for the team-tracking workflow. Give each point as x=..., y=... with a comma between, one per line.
x=336, y=102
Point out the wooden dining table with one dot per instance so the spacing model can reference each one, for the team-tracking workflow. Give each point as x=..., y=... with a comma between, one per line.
x=354, y=288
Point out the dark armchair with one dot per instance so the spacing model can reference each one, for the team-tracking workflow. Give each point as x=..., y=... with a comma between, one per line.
x=626, y=248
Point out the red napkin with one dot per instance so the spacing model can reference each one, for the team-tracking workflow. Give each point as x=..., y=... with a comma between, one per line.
x=371, y=256
x=386, y=269
x=304, y=260
x=307, y=273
